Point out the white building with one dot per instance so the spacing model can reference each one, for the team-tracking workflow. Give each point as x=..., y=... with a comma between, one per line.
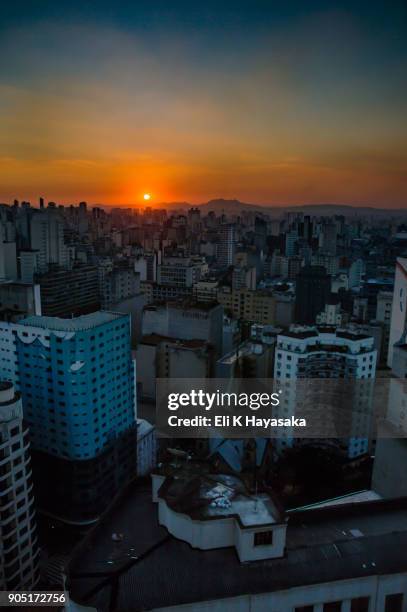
x=399, y=307
x=18, y=540
x=332, y=315
x=229, y=517
x=180, y=271
x=318, y=353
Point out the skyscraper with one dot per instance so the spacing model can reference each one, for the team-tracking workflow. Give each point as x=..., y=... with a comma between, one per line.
x=76, y=377
x=320, y=353
x=312, y=290
x=227, y=244
x=18, y=549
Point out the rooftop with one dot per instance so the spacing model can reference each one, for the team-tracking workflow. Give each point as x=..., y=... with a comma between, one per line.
x=81, y=323
x=205, y=496
x=155, y=339
x=304, y=332
x=154, y=570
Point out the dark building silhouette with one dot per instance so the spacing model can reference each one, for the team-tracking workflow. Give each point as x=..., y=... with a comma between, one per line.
x=312, y=292
x=67, y=293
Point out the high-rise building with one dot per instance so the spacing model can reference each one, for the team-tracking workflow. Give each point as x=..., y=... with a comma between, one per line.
x=68, y=293
x=19, y=552
x=399, y=307
x=29, y=264
x=8, y=256
x=328, y=238
x=47, y=237
x=320, y=353
x=227, y=245
x=312, y=290
x=76, y=377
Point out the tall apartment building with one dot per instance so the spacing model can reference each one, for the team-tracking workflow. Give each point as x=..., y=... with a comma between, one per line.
x=8, y=256
x=328, y=238
x=383, y=318
x=120, y=291
x=29, y=264
x=398, y=322
x=46, y=229
x=117, y=284
x=227, y=245
x=312, y=290
x=68, y=293
x=326, y=353
x=19, y=552
x=76, y=377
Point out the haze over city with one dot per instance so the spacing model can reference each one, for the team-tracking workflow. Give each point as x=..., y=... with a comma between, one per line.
x=270, y=104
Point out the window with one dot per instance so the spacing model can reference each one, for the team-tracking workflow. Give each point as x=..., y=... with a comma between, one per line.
x=359, y=604
x=263, y=538
x=332, y=606
x=394, y=603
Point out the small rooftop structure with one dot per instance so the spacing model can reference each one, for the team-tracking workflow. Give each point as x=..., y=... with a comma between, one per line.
x=212, y=511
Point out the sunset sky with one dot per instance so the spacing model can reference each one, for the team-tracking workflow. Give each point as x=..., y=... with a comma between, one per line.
x=269, y=102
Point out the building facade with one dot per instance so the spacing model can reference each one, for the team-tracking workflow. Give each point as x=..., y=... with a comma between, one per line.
x=19, y=552
x=76, y=378
x=327, y=353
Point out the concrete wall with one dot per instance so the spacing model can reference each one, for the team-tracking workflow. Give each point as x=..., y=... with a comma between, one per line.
x=374, y=587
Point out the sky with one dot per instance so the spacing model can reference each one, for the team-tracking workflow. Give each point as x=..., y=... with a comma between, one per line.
x=270, y=102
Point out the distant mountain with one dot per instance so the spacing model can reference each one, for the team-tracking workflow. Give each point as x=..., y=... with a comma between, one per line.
x=231, y=207
x=235, y=207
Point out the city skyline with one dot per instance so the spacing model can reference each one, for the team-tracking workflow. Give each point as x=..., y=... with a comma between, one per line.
x=291, y=106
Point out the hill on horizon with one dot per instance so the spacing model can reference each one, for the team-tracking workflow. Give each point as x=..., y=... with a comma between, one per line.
x=236, y=207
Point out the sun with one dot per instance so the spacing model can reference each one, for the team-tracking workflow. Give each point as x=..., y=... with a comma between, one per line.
x=147, y=196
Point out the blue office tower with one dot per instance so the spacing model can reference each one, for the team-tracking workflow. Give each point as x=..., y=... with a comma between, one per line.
x=77, y=383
